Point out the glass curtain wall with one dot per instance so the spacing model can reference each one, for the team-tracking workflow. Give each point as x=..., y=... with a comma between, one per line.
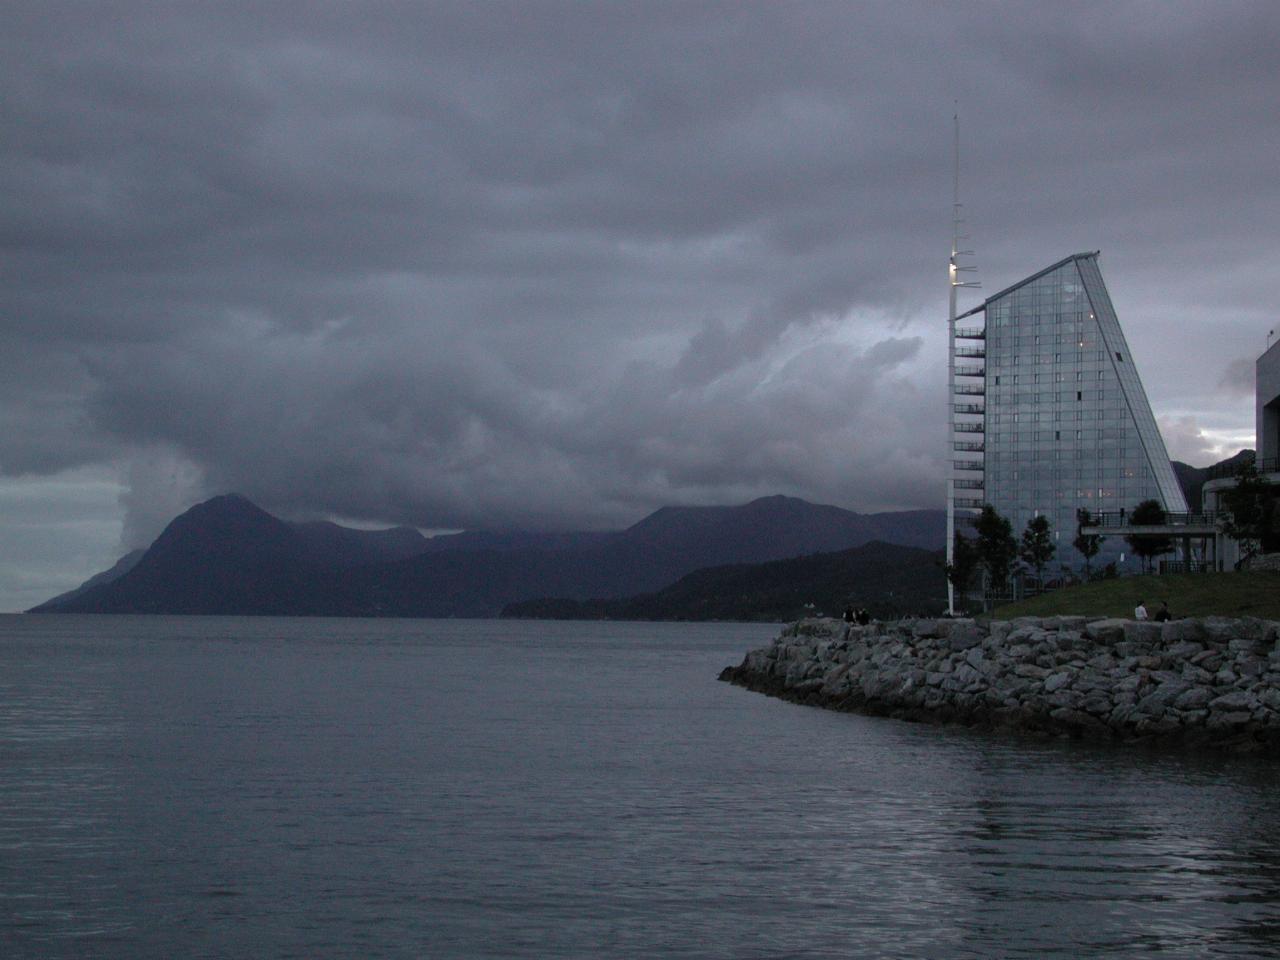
x=1067, y=421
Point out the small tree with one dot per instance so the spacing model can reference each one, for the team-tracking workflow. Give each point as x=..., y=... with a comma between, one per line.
x=996, y=546
x=1149, y=513
x=1087, y=545
x=1246, y=511
x=1037, y=547
x=964, y=562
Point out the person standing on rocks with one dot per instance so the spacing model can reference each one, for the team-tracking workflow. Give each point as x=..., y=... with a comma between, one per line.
x=1140, y=611
x=1163, y=613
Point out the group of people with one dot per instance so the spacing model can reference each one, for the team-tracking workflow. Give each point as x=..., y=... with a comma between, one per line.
x=1140, y=612
x=859, y=616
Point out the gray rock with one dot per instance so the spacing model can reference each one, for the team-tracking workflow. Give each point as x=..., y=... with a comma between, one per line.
x=1065, y=623
x=1078, y=719
x=1143, y=633
x=1236, y=700
x=1250, y=666
x=1056, y=681
x=1097, y=703
x=1105, y=631
x=965, y=635
x=1182, y=631
x=1193, y=674
x=998, y=631
x=1228, y=721
x=1194, y=698
x=1159, y=726
x=1270, y=698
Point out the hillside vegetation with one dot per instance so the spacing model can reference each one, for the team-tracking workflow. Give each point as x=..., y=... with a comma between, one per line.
x=1234, y=594
x=889, y=580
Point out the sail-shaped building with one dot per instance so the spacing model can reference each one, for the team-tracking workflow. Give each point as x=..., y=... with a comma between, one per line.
x=1048, y=412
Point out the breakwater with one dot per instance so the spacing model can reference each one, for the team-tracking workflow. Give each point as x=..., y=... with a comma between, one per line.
x=1211, y=682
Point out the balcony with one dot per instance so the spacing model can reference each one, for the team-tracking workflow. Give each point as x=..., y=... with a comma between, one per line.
x=971, y=372
x=1221, y=470
x=972, y=408
x=970, y=427
x=979, y=352
x=967, y=484
x=969, y=465
x=971, y=333
x=972, y=390
x=969, y=446
x=969, y=503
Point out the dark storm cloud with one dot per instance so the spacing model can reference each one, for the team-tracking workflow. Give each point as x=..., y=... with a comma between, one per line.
x=558, y=264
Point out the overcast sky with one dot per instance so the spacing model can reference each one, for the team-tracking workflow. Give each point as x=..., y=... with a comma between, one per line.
x=554, y=265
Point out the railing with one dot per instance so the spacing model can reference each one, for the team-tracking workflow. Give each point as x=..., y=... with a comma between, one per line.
x=971, y=372
x=968, y=464
x=980, y=352
x=977, y=408
x=1122, y=518
x=968, y=484
x=969, y=446
x=971, y=333
x=1182, y=566
x=971, y=428
x=975, y=390
x=1220, y=470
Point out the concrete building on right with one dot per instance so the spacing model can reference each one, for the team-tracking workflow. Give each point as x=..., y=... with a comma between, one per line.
x=1267, y=420
x=1049, y=414
x=1266, y=458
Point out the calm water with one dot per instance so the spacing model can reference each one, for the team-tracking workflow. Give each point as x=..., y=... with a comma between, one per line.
x=321, y=788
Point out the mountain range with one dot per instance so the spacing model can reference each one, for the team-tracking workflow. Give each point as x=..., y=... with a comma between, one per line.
x=228, y=556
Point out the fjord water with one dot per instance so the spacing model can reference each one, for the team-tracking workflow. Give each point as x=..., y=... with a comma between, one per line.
x=224, y=787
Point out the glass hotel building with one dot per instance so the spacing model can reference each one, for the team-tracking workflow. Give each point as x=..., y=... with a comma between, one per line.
x=1048, y=413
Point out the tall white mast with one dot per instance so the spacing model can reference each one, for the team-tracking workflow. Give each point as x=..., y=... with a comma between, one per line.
x=954, y=284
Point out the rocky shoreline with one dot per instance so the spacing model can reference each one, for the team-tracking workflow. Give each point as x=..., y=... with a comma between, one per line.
x=1212, y=682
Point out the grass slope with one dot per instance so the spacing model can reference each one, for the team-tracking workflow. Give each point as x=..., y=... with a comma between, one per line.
x=1236, y=594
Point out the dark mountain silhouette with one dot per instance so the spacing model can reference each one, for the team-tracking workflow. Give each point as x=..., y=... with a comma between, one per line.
x=227, y=556
x=118, y=570
x=887, y=579
x=223, y=556
x=330, y=543
x=1193, y=479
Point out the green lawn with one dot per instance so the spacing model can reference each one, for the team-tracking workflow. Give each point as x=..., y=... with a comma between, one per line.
x=1239, y=594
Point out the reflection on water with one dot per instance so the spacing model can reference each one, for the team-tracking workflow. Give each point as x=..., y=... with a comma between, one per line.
x=276, y=788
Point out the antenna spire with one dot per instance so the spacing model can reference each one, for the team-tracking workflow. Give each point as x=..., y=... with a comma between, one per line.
x=974, y=356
